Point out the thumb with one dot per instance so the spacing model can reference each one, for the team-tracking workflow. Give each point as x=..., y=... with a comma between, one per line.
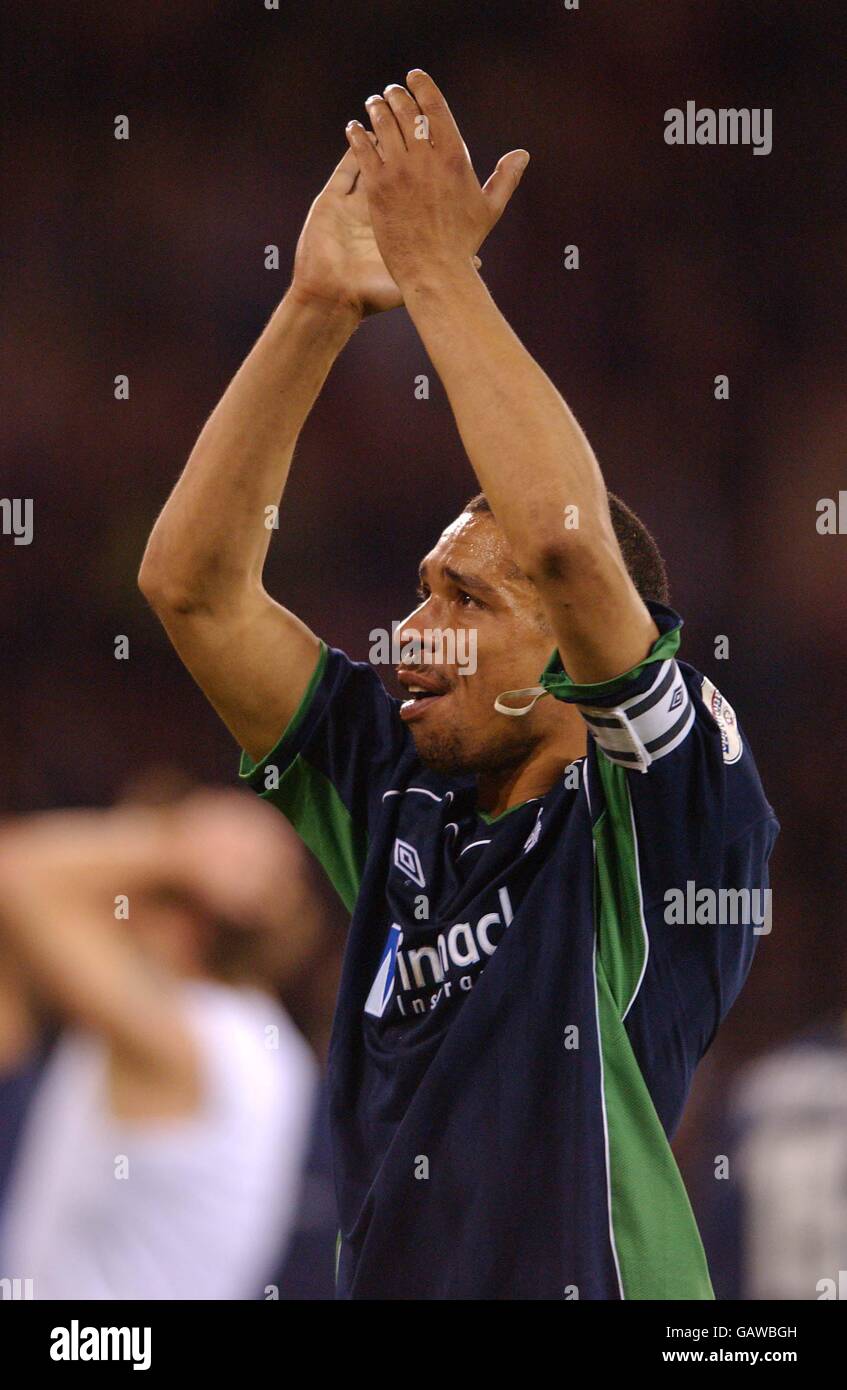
x=505, y=179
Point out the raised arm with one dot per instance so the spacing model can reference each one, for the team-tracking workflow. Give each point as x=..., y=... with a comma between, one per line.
x=202, y=570
x=60, y=874
x=529, y=454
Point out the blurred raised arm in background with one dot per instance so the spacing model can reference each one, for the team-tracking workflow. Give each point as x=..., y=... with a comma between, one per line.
x=162, y=1153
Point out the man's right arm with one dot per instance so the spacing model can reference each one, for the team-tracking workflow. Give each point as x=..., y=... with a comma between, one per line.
x=202, y=570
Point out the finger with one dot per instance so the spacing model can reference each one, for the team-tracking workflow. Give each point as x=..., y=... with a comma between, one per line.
x=357, y=176
x=443, y=131
x=365, y=151
x=505, y=179
x=413, y=124
x=345, y=173
x=385, y=127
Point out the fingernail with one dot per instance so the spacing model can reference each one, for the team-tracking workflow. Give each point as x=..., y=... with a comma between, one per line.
x=522, y=161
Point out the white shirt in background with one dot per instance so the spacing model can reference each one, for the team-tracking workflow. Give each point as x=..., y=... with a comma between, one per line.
x=189, y=1208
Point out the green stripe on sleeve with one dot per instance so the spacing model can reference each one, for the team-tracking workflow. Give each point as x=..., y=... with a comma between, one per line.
x=307, y=798
x=555, y=678
x=248, y=768
x=622, y=942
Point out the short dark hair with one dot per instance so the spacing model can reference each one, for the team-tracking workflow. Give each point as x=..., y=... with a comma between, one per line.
x=641, y=554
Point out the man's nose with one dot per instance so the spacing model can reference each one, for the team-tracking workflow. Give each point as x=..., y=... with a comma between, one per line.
x=419, y=634
x=420, y=617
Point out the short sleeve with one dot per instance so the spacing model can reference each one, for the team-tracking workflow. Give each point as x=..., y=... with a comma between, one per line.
x=329, y=769
x=682, y=833
x=668, y=764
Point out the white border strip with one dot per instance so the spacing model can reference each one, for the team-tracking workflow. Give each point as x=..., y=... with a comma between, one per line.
x=605, y=1121
x=640, y=908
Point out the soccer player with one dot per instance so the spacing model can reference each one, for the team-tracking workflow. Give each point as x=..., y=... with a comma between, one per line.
x=520, y=1015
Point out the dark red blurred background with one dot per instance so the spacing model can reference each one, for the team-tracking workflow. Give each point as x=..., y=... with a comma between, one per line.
x=146, y=257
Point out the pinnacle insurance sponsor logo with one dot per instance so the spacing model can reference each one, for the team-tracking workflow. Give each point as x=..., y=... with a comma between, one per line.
x=420, y=978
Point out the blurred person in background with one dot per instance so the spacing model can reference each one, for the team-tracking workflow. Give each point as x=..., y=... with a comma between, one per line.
x=771, y=1173
x=162, y=1148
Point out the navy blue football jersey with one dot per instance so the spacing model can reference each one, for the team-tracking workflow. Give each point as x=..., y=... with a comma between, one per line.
x=524, y=998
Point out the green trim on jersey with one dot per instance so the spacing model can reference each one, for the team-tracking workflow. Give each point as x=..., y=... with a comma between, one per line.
x=555, y=678
x=311, y=803
x=492, y=820
x=309, y=800
x=621, y=935
x=248, y=767
x=657, y=1245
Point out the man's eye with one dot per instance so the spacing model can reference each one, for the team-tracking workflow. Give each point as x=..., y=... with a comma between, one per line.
x=467, y=600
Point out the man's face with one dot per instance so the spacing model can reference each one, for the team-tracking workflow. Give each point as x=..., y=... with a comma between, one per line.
x=493, y=638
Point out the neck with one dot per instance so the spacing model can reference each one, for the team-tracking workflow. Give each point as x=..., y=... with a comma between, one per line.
x=500, y=791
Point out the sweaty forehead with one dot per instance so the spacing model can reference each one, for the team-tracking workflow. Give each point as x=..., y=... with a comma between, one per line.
x=474, y=543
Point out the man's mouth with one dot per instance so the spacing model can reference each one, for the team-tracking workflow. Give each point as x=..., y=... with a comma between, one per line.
x=422, y=691
x=418, y=704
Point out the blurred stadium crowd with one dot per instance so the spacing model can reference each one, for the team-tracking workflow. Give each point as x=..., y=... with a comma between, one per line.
x=147, y=257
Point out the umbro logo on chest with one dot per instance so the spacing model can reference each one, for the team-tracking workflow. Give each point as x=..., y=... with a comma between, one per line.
x=408, y=861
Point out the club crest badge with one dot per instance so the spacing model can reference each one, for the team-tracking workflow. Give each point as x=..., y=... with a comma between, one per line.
x=724, y=716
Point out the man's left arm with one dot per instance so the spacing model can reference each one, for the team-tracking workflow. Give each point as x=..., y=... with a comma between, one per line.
x=532, y=460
